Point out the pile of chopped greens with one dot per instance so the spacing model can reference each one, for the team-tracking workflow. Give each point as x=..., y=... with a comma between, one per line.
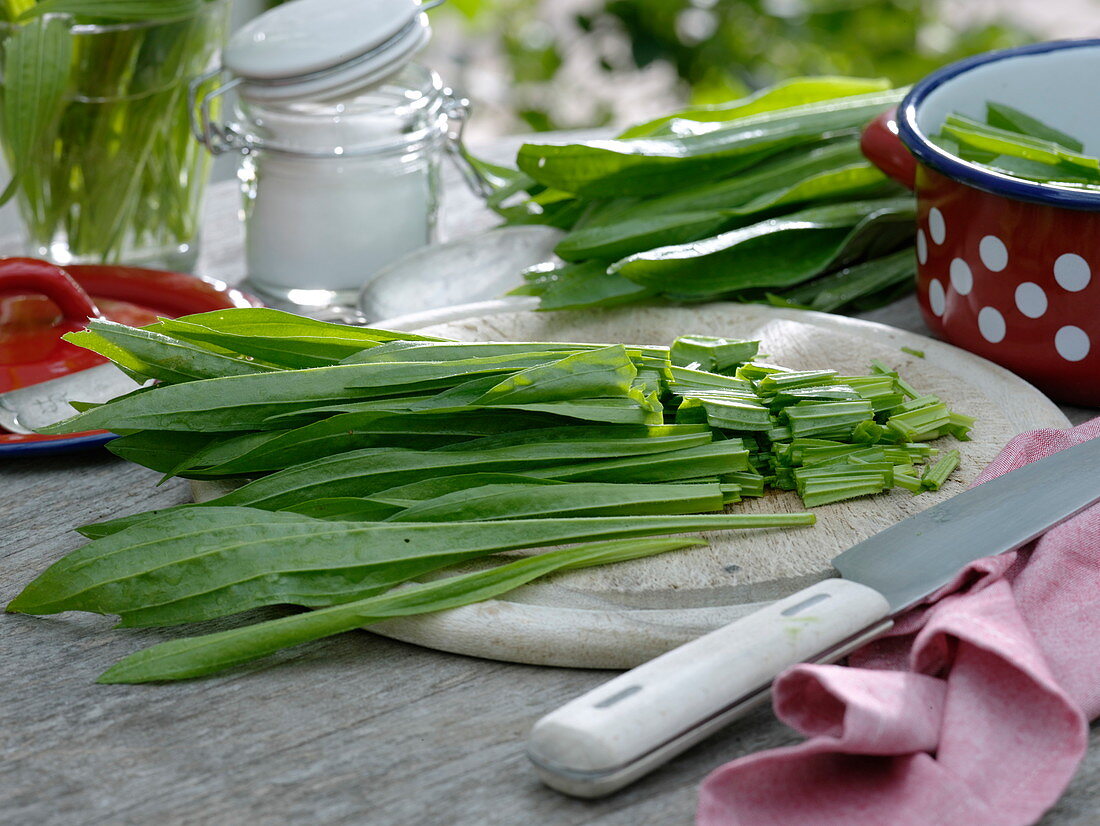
x=1014, y=143
x=368, y=459
x=764, y=199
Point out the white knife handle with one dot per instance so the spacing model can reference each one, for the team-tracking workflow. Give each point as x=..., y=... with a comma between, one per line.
x=628, y=726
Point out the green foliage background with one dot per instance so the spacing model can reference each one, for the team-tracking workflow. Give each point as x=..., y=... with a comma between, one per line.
x=723, y=48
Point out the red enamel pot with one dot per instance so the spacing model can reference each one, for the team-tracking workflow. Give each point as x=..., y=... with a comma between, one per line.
x=1007, y=268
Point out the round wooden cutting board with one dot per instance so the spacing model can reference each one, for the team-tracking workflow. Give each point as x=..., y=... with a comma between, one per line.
x=620, y=615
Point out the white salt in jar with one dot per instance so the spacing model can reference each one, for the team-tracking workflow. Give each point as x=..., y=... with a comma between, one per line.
x=341, y=137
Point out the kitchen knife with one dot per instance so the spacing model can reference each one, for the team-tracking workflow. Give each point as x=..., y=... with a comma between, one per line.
x=29, y=408
x=625, y=728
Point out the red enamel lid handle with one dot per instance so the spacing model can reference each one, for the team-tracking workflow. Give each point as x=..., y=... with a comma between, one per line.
x=882, y=147
x=29, y=275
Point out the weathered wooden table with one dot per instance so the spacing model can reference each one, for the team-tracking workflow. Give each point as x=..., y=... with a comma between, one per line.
x=357, y=729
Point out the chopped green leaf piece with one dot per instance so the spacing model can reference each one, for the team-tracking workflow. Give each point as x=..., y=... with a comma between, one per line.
x=686, y=379
x=974, y=135
x=935, y=475
x=712, y=354
x=822, y=486
x=921, y=423
x=809, y=418
x=727, y=409
x=1014, y=143
x=748, y=483
x=775, y=382
x=908, y=481
x=1007, y=117
x=754, y=371
x=868, y=432
x=959, y=426
x=823, y=393
x=906, y=388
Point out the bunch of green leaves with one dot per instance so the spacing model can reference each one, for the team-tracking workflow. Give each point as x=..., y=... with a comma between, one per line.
x=1014, y=143
x=368, y=459
x=768, y=198
x=94, y=122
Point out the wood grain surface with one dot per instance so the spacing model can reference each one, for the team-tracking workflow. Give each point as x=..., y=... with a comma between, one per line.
x=353, y=730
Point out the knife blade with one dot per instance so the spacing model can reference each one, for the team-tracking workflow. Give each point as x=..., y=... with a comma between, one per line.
x=29, y=408
x=625, y=728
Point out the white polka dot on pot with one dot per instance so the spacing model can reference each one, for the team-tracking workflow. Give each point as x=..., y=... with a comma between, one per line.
x=991, y=324
x=937, y=227
x=1072, y=343
x=922, y=247
x=937, y=300
x=1072, y=272
x=1031, y=299
x=962, y=279
x=993, y=252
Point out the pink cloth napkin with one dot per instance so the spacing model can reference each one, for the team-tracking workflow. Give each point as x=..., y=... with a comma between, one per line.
x=973, y=711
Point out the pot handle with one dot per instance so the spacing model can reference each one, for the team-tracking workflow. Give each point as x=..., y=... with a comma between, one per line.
x=29, y=275
x=882, y=147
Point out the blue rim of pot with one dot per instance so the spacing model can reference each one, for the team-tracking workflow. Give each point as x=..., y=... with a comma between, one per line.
x=975, y=175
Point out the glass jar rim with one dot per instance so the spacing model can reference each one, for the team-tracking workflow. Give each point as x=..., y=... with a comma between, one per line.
x=426, y=81
x=434, y=106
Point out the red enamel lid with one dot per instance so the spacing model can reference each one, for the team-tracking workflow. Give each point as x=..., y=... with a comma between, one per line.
x=40, y=302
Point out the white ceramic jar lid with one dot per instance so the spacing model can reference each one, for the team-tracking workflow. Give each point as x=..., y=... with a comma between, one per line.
x=315, y=49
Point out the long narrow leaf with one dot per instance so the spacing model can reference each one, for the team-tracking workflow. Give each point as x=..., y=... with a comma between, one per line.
x=714, y=459
x=198, y=656
x=778, y=252
x=779, y=172
x=157, y=356
x=278, y=338
x=578, y=499
x=454, y=350
x=248, y=401
x=263, y=452
x=116, y=11
x=593, y=374
x=797, y=91
x=36, y=71
x=1006, y=117
x=855, y=283
x=370, y=472
x=632, y=234
x=647, y=165
x=581, y=286
x=363, y=472
x=264, y=556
